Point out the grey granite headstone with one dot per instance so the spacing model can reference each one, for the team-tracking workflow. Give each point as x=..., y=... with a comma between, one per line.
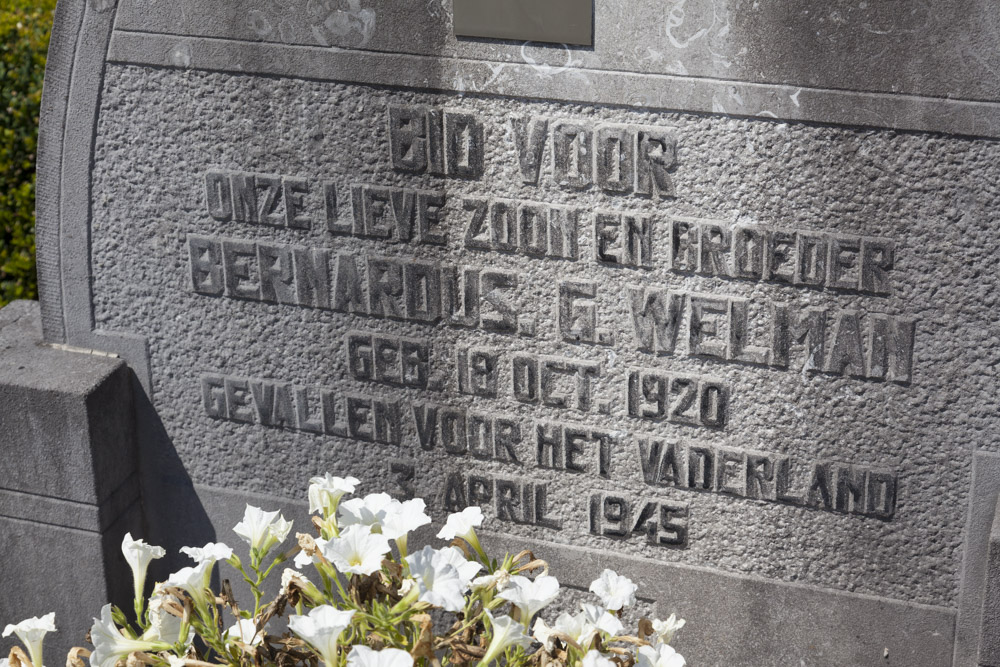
x=712, y=302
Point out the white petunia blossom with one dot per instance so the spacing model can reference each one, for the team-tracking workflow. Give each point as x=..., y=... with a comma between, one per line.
x=262, y=530
x=530, y=596
x=500, y=578
x=615, y=591
x=291, y=579
x=455, y=557
x=138, y=555
x=663, y=655
x=321, y=628
x=665, y=630
x=245, y=630
x=601, y=619
x=325, y=492
x=110, y=645
x=368, y=511
x=401, y=518
x=211, y=552
x=163, y=626
x=506, y=633
x=193, y=580
x=542, y=632
x=32, y=633
x=357, y=551
x=362, y=656
x=302, y=558
x=595, y=658
x=436, y=580
x=462, y=524
x=575, y=626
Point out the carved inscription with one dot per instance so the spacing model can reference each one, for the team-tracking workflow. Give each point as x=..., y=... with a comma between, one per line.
x=663, y=523
x=657, y=396
x=434, y=141
x=868, y=346
x=371, y=285
x=528, y=228
x=517, y=501
x=626, y=275
x=389, y=360
x=825, y=485
x=312, y=409
x=792, y=257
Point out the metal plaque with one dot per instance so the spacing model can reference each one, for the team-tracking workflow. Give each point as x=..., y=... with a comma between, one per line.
x=558, y=21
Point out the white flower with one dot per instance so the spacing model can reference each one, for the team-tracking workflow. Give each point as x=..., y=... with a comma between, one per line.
x=665, y=630
x=506, y=632
x=577, y=627
x=289, y=577
x=467, y=569
x=530, y=596
x=193, y=580
x=262, y=530
x=362, y=656
x=211, y=552
x=368, y=511
x=401, y=518
x=174, y=661
x=601, y=619
x=321, y=628
x=246, y=631
x=614, y=590
x=326, y=491
x=542, y=632
x=302, y=558
x=462, y=524
x=405, y=586
x=662, y=655
x=163, y=626
x=437, y=580
x=110, y=645
x=357, y=551
x=138, y=555
x=500, y=578
x=32, y=633
x=595, y=658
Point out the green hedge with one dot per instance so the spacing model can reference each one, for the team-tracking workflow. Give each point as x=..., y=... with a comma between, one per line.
x=24, y=38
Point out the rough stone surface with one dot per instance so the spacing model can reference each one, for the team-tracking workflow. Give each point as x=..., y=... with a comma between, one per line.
x=70, y=489
x=770, y=410
x=323, y=238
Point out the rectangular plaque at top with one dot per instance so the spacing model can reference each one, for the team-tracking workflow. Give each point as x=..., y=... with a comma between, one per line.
x=558, y=21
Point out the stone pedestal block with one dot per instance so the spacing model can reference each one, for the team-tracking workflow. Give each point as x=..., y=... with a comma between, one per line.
x=989, y=641
x=69, y=489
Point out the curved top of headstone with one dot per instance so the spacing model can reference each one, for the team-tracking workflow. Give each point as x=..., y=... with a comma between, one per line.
x=876, y=64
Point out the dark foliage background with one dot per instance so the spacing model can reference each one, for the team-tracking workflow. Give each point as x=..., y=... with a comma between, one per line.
x=24, y=39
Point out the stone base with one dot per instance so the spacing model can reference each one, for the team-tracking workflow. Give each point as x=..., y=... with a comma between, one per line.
x=69, y=488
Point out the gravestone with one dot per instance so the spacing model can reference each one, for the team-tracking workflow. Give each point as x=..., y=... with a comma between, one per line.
x=711, y=302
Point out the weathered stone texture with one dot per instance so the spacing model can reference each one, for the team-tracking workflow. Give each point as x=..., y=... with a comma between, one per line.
x=712, y=302
x=160, y=132
x=70, y=490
